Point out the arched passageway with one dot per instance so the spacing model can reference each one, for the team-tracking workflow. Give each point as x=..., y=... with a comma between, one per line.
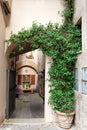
x=29, y=104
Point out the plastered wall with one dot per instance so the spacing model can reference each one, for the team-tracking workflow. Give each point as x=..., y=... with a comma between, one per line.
x=78, y=10
x=25, y=12
x=2, y=68
x=81, y=96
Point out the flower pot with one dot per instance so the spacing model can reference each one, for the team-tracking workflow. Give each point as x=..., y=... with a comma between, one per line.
x=64, y=120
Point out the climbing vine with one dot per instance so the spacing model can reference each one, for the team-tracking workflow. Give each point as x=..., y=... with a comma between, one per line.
x=61, y=43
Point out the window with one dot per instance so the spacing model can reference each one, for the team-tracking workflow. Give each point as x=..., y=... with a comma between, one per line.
x=28, y=80
x=76, y=79
x=84, y=80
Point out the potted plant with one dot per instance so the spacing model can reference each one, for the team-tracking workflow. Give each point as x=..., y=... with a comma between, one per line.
x=63, y=103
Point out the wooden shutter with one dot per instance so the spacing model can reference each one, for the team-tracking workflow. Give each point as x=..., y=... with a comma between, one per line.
x=32, y=79
x=19, y=79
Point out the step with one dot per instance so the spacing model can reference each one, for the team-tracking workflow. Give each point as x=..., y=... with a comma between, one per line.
x=33, y=121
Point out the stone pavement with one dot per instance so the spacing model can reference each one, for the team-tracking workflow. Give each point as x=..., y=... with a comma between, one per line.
x=31, y=124
x=29, y=106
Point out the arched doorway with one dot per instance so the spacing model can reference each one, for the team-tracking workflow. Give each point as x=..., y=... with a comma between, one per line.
x=29, y=70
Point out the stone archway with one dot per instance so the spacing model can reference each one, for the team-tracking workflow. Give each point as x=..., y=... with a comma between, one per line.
x=30, y=64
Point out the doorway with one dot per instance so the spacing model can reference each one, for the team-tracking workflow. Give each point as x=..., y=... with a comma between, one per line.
x=30, y=83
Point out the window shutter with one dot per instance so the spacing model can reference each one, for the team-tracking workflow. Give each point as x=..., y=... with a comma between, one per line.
x=32, y=79
x=19, y=79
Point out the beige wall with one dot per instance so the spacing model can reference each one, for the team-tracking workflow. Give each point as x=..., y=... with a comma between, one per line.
x=24, y=12
x=50, y=115
x=2, y=68
x=84, y=27
x=78, y=10
x=26, y=56
x=25, y=59
x=26, y=63
x=41, y=61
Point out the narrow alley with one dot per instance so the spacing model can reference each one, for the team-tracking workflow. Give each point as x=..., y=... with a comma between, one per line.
x=29, y=105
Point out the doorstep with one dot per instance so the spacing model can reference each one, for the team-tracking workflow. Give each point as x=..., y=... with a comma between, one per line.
x=33, y=121
x=31, y=124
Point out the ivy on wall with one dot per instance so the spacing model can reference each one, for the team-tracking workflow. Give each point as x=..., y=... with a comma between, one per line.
x=61, y=43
